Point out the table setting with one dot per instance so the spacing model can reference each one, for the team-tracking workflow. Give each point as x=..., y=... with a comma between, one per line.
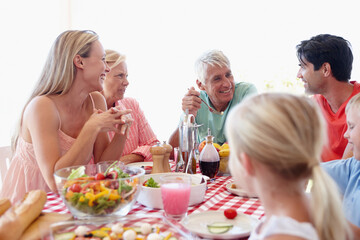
x=207, y=210
x=192, y=196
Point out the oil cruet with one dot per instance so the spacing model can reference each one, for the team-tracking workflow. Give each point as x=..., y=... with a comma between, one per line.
x=188, y=142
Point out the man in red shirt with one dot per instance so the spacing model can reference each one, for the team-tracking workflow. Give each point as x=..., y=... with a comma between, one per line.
x=325, y=68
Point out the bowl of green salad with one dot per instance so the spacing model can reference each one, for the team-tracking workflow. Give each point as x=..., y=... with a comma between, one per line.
x=99, y=190
x=150, y=194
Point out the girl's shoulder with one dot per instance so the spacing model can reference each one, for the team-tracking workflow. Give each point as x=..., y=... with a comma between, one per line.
x=283, y=237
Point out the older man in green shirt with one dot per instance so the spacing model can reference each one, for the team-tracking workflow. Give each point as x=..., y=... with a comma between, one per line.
x=218, y=89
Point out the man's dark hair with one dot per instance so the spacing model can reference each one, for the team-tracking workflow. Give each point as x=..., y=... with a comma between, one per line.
x=331, y=49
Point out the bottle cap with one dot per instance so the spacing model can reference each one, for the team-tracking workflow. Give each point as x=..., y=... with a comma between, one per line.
x=157, y=149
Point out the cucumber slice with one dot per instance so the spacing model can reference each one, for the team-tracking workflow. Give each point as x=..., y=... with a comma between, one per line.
x=219, y=228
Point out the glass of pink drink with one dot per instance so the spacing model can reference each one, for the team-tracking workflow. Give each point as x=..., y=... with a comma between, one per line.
x=175, y=194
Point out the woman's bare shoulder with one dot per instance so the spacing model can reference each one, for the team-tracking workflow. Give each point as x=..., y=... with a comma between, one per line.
x=99, y=100
x=40, y=115
x=41, y=107
x=41, y=102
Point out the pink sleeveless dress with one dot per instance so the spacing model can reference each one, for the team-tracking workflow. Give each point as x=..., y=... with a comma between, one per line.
x=24, y=173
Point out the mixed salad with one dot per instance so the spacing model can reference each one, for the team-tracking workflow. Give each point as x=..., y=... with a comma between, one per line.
x=102, y=196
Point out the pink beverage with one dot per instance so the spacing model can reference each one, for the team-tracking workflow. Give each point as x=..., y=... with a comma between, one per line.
x=175, y=195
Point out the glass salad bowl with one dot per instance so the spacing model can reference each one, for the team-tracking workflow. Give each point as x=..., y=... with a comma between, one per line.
x=99, y=190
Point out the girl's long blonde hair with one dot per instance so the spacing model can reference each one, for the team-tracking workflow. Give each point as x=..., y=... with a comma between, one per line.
x=286, y=133
x=59, y=71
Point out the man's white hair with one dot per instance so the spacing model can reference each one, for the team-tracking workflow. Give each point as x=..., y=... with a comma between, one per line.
x=212, y=58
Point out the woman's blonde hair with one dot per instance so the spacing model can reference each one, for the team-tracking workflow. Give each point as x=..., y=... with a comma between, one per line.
x=114, y=58
x=59, y=71
x=286, y=133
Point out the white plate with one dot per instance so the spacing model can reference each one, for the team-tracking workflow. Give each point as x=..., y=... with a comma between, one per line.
x=142, y=165
x=240, y=192
x=197, y=223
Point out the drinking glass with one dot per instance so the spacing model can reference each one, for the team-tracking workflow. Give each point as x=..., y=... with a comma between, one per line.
x=175, y=194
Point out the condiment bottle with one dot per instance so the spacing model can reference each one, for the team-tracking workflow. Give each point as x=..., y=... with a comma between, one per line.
x=166, y=165
x=157, y=151
x=209, y=160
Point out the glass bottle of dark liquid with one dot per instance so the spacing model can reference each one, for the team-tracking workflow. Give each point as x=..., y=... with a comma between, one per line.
x=209, y=160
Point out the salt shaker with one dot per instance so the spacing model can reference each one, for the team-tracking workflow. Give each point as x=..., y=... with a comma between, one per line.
x=166, y=165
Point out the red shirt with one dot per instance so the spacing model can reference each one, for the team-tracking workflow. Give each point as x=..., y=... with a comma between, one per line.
x=336, y=125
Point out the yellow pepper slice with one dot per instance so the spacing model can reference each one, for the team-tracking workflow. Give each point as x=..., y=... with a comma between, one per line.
x=100, y=233
x=114, y=196
x=167, y=237
x=100, y=194
x=91, y=198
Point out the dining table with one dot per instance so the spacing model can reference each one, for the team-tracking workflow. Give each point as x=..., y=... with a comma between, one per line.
x=217, y=198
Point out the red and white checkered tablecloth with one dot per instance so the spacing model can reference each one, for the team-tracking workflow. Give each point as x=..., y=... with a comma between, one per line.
x=216, y=198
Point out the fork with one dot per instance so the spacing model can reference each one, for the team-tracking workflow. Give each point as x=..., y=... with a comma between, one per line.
x=211, y=109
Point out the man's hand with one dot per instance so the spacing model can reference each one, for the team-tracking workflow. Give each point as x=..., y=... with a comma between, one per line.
x=191, y=101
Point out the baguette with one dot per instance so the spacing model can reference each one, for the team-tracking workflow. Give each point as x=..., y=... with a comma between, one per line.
x=17, y=219
x=5, y=204
x=41, y=226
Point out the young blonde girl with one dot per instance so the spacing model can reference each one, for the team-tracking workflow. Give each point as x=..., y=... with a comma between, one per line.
x=276, y=142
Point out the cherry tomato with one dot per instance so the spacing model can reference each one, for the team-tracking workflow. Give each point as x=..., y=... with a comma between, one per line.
x=230, y=213
x=145, y=183
x=112, y=175
x=75, y=187
x=99, y=176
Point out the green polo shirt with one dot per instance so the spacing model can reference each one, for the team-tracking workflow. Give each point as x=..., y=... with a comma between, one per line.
x=216, y=122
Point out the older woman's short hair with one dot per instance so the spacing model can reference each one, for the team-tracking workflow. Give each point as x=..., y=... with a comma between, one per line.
x=114, y=58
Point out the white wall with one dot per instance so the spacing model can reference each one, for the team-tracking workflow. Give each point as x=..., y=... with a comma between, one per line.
x=162, y=39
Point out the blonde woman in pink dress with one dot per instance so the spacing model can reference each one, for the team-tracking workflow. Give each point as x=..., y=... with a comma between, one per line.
x=141, y=137
x=65, y=121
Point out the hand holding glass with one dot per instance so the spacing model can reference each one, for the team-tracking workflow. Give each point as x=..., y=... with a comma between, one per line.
x=175, y=194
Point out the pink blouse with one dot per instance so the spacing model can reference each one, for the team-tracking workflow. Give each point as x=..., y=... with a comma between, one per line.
x=141, y=136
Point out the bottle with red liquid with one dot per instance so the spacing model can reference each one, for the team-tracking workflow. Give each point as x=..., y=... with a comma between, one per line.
x=209, y=160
